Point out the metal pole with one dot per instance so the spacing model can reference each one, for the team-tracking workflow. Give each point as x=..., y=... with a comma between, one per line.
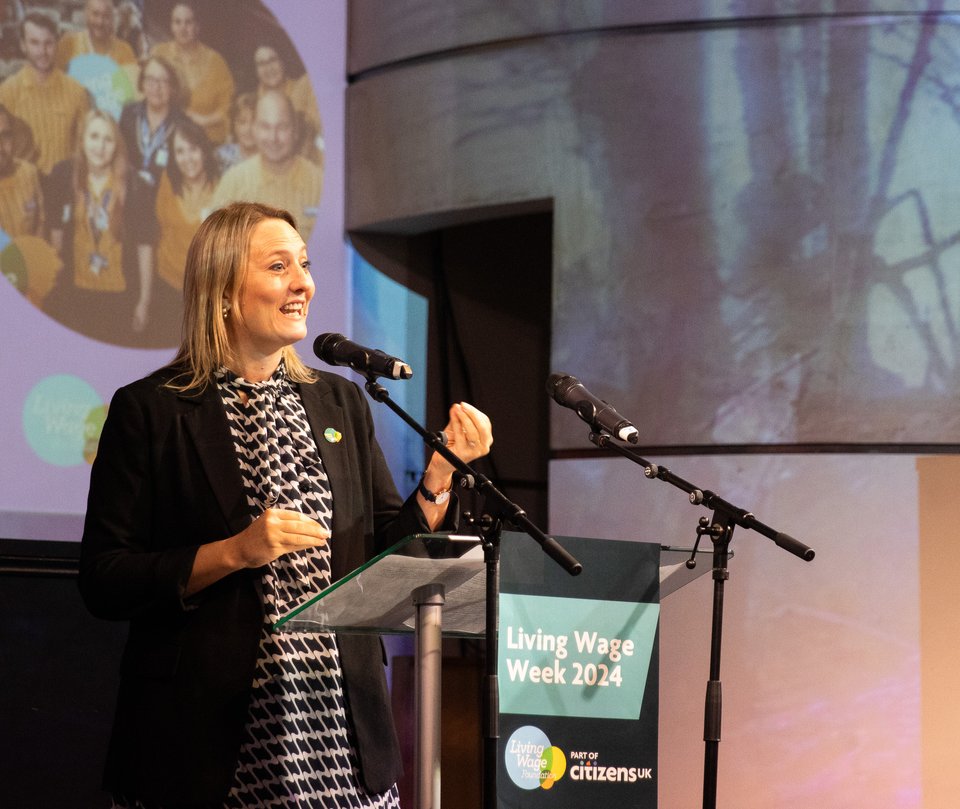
x=429, y=601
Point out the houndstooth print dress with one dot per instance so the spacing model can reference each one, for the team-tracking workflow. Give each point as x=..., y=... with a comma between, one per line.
x=298, y=750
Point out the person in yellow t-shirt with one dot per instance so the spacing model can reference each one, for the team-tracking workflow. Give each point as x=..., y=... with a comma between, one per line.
x=202, y=71
x=86, y=211
x=184, y=197
x=47, y=104
x=26, y=260
x=272, y=75
x=277, y=175
x=99, y=36
x=21, y=201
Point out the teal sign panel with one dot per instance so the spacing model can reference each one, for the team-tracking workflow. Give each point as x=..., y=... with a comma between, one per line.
x=574, y=657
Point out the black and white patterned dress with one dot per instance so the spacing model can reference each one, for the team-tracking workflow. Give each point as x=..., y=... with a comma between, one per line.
x=298, y=749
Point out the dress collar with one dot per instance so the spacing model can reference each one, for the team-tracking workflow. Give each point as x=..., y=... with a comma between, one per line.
x=274, y=385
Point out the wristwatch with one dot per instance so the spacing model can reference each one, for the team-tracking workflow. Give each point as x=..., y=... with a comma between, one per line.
x=439, y=498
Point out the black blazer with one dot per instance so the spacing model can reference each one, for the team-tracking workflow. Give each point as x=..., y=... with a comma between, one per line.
x=166, y=480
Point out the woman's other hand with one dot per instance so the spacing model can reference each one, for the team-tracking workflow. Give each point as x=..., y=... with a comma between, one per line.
x=277, y=532
x=274, y=533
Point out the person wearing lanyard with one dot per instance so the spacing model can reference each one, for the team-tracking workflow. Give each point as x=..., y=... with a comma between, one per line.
x=86, y=210
x=148, y=125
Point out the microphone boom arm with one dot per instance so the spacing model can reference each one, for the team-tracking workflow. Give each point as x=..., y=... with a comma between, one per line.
x=705, y=497
x=509, y=510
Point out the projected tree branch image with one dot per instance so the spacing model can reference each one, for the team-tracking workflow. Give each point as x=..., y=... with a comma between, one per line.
x=756, y=221
x=788, y=250
x=850, y=207
x=121, y=127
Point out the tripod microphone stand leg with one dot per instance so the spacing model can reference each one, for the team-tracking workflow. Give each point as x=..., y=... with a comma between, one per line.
x=721, y=533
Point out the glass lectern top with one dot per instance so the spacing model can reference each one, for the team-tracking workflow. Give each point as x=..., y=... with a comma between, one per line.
x=377, y=596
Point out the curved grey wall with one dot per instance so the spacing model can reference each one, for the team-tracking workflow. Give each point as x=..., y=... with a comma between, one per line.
x=748, y=223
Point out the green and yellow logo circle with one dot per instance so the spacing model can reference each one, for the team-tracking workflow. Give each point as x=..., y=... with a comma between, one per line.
x=531, y=761
x=62, y=420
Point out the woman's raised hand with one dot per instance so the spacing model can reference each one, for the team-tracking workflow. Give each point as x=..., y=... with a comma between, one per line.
x=469, y=432
x=469, y=436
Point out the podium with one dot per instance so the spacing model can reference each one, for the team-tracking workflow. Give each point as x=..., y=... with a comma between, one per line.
x=427, y=584
x=435, y=584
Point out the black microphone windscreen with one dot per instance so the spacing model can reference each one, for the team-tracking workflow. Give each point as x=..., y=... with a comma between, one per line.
x=559, y=386
x=552, y=381
x=325, y=344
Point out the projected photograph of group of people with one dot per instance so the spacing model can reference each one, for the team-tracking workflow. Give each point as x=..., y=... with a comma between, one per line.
x=121, y=127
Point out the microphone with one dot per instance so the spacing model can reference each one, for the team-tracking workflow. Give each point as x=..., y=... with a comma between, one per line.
x=335, y=349
x=567, y=391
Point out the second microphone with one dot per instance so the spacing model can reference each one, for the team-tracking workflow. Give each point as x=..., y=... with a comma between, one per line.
x=567, y=390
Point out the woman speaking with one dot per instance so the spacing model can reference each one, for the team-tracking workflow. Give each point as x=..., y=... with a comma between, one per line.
x=228, y=488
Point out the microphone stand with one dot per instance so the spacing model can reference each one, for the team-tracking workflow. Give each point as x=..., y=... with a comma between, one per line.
x=489, y=526
x=719, y=528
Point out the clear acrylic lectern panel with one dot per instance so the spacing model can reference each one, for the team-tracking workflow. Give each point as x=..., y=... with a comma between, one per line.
x=376, y=597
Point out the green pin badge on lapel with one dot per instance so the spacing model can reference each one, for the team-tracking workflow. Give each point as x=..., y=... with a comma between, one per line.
x=332, y=436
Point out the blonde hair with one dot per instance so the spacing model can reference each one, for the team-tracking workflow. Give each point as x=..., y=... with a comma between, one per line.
x=118, y=169
x=215, y=272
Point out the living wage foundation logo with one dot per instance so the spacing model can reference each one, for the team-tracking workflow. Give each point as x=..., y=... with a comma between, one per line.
x=531, y=761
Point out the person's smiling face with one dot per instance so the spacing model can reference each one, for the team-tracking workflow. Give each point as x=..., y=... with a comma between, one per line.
x=275, y=293
x=99, y=19
x=183, y=25
x=189, y=158
x=269, y=67
x=156, y=85
x=275, y=129
x=39, y=47
x=244, y=131
x=99, y=144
